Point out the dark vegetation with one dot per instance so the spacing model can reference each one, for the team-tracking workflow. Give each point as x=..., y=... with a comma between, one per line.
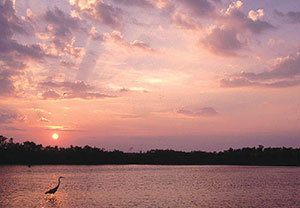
x=30, y=153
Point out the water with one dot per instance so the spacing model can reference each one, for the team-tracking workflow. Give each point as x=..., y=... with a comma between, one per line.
x=150, y=186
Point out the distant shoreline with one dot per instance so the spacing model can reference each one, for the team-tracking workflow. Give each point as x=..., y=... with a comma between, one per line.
x=30, y=154
x=166, y=165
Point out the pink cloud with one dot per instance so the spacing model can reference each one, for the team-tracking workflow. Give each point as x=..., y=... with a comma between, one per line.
x=291, y=16
x=11, y=24
x=223, y=41
x=71, y=90
x=285, y=73
x=203, y=112
x=185, y=21
x=50, y=94
x=199, y=8
x=117, y=38
x=100, y=12
x=9, y=116
x=138, y=3
x=6, y=84
x=225, y=37
x=236, y=19
x=63, y=23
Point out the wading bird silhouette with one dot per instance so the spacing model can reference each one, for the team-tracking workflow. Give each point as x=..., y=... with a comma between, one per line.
x=52, y=191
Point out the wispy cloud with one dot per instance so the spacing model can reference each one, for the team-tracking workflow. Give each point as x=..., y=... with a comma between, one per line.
x=223, y=41
x=234, y=17
x=185, y=22
x=199, y=8
x=285, y=73
x=202, y=112
x=233, y=30
x=99, y=11
x=63, y=23
x=290, y=17
x=70, y=90
x=51, y=94
x=11, y=24
x=137, y=3
x=117, y=38
x=6, y=84
x=43, y=119
x=11, y=128
x=9, y=116
x=14, y=55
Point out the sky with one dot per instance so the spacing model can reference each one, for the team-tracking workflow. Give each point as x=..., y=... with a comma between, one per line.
x=136, y=75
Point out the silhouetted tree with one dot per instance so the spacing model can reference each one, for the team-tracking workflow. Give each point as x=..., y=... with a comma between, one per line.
x=31, y=153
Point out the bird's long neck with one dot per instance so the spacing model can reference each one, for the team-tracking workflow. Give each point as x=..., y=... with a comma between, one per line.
x=58, y=183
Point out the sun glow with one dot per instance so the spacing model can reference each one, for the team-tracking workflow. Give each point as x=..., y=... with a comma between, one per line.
x=55, y=136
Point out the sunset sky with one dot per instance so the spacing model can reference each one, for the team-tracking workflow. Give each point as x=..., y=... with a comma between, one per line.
x=142, y=74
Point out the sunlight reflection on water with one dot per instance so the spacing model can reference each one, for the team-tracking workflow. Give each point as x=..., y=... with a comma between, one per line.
x=150, y=186
x=52, y=201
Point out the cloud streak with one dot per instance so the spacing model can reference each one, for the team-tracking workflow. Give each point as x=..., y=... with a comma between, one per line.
x=203, y=112
x=136, y=3
x=290, y=17
x=117, y=38
x=285, y=73
x=199, y=8
x=71, y=90
x=9, y=116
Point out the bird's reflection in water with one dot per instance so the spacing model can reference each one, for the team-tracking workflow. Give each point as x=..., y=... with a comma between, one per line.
x=52, y=201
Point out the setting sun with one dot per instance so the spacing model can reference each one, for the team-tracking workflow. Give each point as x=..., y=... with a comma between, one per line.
x=55, y=136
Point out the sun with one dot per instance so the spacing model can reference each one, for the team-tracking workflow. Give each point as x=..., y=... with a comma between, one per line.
x=55, y=136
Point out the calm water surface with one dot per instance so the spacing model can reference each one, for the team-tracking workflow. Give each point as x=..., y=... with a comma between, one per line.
x=150, y=186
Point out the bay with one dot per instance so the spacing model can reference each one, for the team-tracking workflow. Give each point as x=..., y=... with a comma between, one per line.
x=149, y=186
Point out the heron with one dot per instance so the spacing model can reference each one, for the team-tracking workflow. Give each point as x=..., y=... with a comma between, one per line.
x=52, y=191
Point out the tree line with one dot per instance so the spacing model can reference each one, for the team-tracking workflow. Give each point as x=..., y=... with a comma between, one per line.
x=29, y=153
